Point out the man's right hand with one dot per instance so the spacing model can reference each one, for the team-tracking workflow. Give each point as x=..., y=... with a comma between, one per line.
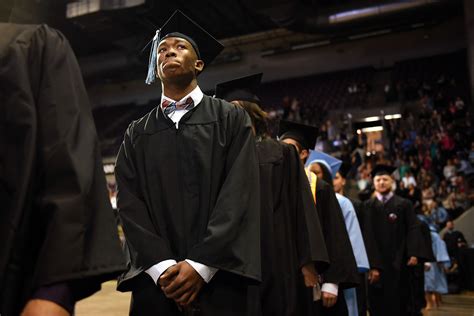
x=329, y=300
x=168, y=276
x=374, y=276
x=413, y=261
x=37, y=307
x=184, y=285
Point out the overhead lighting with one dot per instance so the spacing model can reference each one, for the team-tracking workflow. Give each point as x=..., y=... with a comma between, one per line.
x=372, y=129
x=369, y=34
x=83, y=7
x=377, y=10
x=310, y=45
x=386, y=117
x=393, y=116
x=352, y=15
x=372, y=119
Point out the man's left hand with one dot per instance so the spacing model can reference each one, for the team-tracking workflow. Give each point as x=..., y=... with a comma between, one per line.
x=310, y=275
x=329, y=299
x=413, y=261
x=186, y=285
x=374, y=276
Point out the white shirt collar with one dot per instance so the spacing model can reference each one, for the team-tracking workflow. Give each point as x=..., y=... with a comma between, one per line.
x=196, y=95
x=381, y=197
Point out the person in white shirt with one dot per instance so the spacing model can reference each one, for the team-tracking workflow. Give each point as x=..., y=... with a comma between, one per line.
x=399, y=246
x=188, y=189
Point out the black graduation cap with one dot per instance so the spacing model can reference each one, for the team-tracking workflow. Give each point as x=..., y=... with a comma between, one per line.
x=380, y=170
x=305, y=135
x=241, y=89
x=179, y=25
x=344, y=169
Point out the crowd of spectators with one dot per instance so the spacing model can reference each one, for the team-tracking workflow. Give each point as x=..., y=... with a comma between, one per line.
x=432, y=148
x=431, y=144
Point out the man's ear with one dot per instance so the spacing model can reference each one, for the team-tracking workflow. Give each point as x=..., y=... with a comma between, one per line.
x=199, y=66
x=304, y=154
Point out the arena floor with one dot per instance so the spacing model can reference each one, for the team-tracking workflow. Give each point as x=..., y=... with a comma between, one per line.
x=109, y=302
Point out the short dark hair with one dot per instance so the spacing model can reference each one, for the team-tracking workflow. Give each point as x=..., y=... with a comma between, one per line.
x=326, y=173
x=258, y=116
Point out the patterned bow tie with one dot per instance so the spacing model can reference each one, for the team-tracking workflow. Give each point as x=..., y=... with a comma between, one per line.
x=169, y=107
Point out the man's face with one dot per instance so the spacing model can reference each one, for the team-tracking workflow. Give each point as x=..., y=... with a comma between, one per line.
x=177, y=59
x=450, y=225
x=302, y=152
x=383, y=183
x=316, y=169
x=338, y=183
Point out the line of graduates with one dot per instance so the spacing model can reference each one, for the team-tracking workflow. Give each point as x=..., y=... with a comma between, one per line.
x=221, y=219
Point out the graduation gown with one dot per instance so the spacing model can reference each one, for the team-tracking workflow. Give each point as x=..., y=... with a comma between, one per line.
x=56, y=222
x=343, y=269
x=416, y=273
x=358, y=248
x=368, y=236
x=392, y=224
x=369, y=242
x=190, y=193
x=435, y=278
x=355, y=233
x=291, y=231
x=452, y=238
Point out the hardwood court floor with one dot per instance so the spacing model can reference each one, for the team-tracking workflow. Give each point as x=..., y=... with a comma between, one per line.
x=455, y=305
x=109, y=302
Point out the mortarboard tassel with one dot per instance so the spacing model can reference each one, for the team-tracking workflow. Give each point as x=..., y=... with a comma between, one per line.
x=151, y=75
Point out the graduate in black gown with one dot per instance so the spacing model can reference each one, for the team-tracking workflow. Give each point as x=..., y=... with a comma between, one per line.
x=339, y=183
x=454, y=240
x=58, y=237
x=188, y=189
x=342, y=272
x=417, y=273
x=399, y=245
x=293, y=248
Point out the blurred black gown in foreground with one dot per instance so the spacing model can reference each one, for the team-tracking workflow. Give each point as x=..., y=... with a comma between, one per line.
x=56, y=222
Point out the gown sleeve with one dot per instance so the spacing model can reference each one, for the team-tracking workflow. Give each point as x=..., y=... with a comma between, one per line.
x=442, y=255
x=144, y=246
x=343, y=269
x=367, y=225
x=310, y=240
x=232, y=239
x=79, y=243
x=416, y=245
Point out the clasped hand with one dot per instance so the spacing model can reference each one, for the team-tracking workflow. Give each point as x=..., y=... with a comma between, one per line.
x=310, y=275
x=181, y=283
